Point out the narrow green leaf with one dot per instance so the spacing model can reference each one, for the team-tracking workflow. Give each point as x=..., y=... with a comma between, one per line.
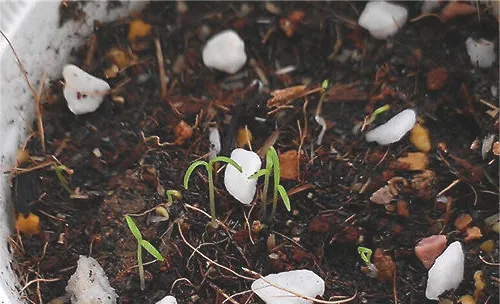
x=133, y=228
x=269, y=159
x=190, y=170
x=226, y=160
x=152, y=250
x=284, y=197
x=259, y=174
x=276, y=165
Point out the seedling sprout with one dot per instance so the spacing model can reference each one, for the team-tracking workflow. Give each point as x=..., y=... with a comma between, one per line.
x=272, y=162
x=140, y=244
x=366, y=254
x=173, y=194
x=62, y=180
x=211, y=187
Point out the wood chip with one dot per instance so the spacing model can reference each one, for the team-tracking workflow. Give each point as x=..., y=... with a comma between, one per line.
x=289, y=164
x=463, y=221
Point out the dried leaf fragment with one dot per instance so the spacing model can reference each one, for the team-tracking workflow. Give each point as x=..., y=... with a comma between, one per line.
x=487, y=246
x=473, y=233
x=455, y=9
x=463, y=221
x=289, y=163
x=244, y=138
x=138, y=29
x=29, y=225
x=436, y=79
x=479, y=283
x=402, y=208
x=182, y=131
x=414, y=161
x=420, y=139
x=284, y=96
x=384, y=264
x=382, y=196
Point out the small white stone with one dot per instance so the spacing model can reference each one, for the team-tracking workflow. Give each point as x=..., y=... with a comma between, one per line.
x=167, y=300
x=382, y=19
x=83, y=92
x=393, y=130
x=89, y=284
x=225, y=52
x=447, y=271
x=481, y=52
x=302, y=282
x=214, y=139
x=238, y=184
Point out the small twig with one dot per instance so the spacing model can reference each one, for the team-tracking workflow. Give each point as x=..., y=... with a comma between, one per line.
x=21, y=67
x=248, y=225
x=488, y=263
x=228, y=298
x=425, y=15
x=179, y=280
x=453, y=184
x=161, y=69
x=236, y=294
x=87, y=62
x=39, y=280
x=394, y=290
x=38, y=110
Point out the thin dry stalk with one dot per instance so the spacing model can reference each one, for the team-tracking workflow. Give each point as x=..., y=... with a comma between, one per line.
x=21, y=67
x=161, y=69
x=179, y=280
x=87, y=62
x=228, y=298
x=38, y=110
x=39, y=280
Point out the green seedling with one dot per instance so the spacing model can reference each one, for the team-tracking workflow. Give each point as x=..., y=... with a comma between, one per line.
x=366, y=254
x=211, y=187
x=141, y=244
x=272, y=166
x=62, y=180
x=171, y=195
x=377, y=112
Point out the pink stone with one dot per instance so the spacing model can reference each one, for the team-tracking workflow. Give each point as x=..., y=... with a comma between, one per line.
x=429, y=248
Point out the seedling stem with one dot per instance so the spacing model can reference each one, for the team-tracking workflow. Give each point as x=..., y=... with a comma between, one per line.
x=211, y=187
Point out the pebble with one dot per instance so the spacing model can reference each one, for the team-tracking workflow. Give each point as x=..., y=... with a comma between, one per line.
x=447, y=271
x=382, y=19
x=237, y=183
x=167, y=300
x=394, y=129
x=83, y=92
x=225, y=52
x=89, y=284
x=429, y=248
x=303, y=282
x=481, y=52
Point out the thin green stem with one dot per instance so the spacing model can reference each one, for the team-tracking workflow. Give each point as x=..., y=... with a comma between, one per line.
x=264, y=197
x=211, y=192
x=141, y=267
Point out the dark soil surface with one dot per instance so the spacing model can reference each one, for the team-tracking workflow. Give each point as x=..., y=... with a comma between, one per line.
x=119, y=169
